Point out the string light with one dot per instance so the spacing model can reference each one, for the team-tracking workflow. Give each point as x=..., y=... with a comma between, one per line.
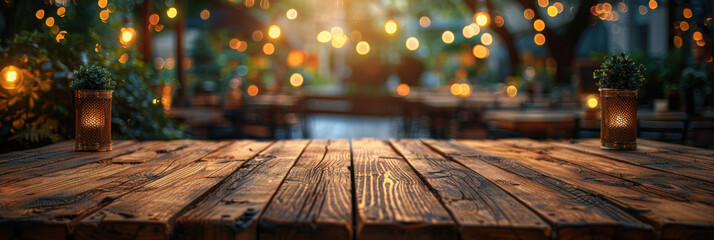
x=362, y=48
x=268, y=49
x=592, y=101
x=482, y=19
x=257, y=36
x=205, y=14
x=61, y=11
x=684, y=25
x=539, y=39
x=424, y=21
x=511, y=91
x=539, y=25
x=687, y=13
x=480, y=51
x=528, y=14
x=339, y=40
x=486, y=39
x=390, y=27
x=102, y=3
x=653, y=4
x=542, y=3
x=677, y=41
x=104, y=15
x=252, y=90
x=126, y=36
x=40, y=14
x=50, y=21
x=697, y=36
x=447, y=37
x=154, y=19
x=553, y=11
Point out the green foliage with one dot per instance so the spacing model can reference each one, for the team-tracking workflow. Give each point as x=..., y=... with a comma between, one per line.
x=92, y=77
x=695, y=77
x=620, y=72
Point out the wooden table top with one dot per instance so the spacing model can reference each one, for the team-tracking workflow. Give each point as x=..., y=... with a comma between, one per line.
x=364, y=189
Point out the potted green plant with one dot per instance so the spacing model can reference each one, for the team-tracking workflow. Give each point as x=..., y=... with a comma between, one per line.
x=93, y=88
x=619, y=78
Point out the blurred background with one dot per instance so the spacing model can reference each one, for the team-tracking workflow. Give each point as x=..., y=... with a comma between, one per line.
x=277, y=69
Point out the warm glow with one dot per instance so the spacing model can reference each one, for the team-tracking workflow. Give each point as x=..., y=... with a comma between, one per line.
x=274, y=31
x=622, y=7
x=465, y=90
x=470, y=30
x=424, y=21
x=234, y=43
x=642, y=9
x=124, y=58
x=104, y=15
x=539, y=39
x=336, y=30
x=687, y=13
x=499, y=21
x=592, y=101
x=324, y=37
x=512, y=91
x=486, y=39
x=528, y=14
x=60, y=36
x=171, y=13
x=412, y=43
x=480, y=51
x=697, y=36
x=553, y=11
x=683, y=25
x=542, y=3
x=50, y=21
x=252, y=90
x=126, y=36
x=701, y=43
x=362, y=48
x=558, y=6
x=539, y=25
x=606, y=7
x=403, y=89
x=618, y=121
x=40, y=14
x=456, y=89
x=296, y=58
x=481, y=19
x=12, y=78
x=296, y=80
x=257, y=36
x=390, y=27
x=242, y=46
x=653, y=4
x=447, y=37
x=205, y=14
x=268, y=49
x=154, y=19
x=61, y=11
x=102, y=3
x=158, y=63
x=339, y=40
x=291, y=14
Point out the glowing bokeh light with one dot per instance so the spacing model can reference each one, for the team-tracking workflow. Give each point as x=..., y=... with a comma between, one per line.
x=50, y=21
x=552, y=11
x=412, y=43
x=296, y=80
x=592, y=101
x=252, y=90
x=61, y=11
x=539, y=39
x=339, y=40
x=390, y=27
x=403, y=89
x=486, y=39
x=102, y=3
x=205, y=14
x=677, y=41
x=684, y=25
x=274, y=31
x=652, y=4
x=697, y=36
x=171, y=12
x=482, y=19
x=447, y=37
x=424, y=21
x=12, y=77
x=154, y=19
x=543, y=3
x=512, y=91
x=291, y=14
x=268, y=49
x=538, y=25
x=40, y=14
x=324, y=37
x=362, y=48
x=257, y=35
x=687, y=13
x=528, y=14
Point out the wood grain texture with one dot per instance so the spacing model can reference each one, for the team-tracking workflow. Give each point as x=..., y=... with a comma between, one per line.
x=315, y=200
x=53, y=155
x=682, y=149
x=652, y=205
x=63, y=146
x=58, y=200
x=392, y=201
x=667, y=164
x=84, y=159
x=232, y=210
x=146, y=213
x=573, y=214
x=482, y=209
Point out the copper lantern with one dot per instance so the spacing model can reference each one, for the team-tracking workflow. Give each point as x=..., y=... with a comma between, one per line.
x=618, y=129
x=93, y=109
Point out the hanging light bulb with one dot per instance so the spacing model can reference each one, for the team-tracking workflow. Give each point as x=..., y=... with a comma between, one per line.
x=11, y=77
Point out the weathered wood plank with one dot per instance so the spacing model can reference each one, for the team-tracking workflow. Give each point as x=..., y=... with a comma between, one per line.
x=652, y=205
x=684, y=149
x=668, y=185
x=482, y=209
x=74, y=162
x=392, y=201
x=232, y=210
x=573, y=214
x=41, y=205
x=315, y=200
x=146, y=213
x=63, y=146
x=666, y=151
x=58, y=154
x=674, y=166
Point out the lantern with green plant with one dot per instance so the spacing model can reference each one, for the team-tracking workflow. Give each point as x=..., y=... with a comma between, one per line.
x=93, y=87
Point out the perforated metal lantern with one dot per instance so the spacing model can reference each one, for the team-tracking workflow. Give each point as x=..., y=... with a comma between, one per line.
x=93, y=109
x=618, y=129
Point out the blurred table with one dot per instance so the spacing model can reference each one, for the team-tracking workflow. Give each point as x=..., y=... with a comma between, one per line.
x=535, y=123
